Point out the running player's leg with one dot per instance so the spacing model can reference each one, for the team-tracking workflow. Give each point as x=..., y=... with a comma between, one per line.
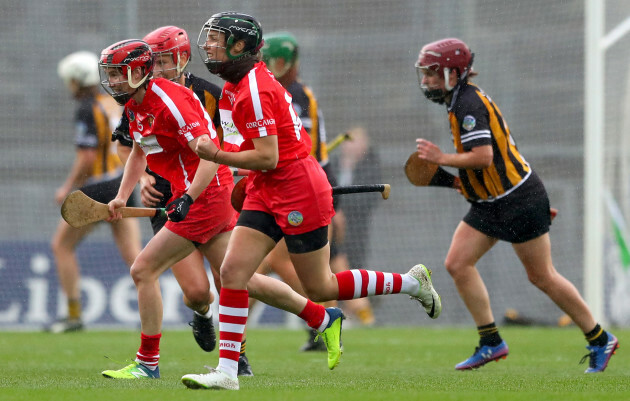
x=467, y=247
x=535, y=255
x=161, y=252
x=63, y=244
x=192, y=278
x=321, y=284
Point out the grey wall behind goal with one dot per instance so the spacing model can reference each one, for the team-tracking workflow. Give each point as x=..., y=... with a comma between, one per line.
x=358, y=57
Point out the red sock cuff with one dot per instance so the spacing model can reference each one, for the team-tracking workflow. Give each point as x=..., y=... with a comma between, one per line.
x=313, y=314
x=234, y=298
x=345, y=282
x=150, y=345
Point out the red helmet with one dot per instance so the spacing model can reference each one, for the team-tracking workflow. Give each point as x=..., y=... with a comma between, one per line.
x=170, y=40
x=443, y=56
x=449, y=53
x=126, y=55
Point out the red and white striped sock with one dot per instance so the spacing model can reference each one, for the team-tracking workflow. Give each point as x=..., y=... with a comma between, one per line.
x=359, y=283
x=233, y=309
x=149, y=352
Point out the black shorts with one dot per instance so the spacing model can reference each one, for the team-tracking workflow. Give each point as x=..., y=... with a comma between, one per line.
x=519, y=217
x=162, y=185
x=298, y=243
x=105, y=191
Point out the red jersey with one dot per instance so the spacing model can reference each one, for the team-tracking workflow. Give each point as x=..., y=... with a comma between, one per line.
x=169, y=117
x=259, y=106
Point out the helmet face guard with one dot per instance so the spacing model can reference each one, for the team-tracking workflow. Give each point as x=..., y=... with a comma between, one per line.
x=436, y=95
x=234, y=26
x=120, y=60
x=171, y=41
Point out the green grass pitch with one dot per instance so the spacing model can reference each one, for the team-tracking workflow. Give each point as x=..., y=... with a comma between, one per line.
x=378, y=364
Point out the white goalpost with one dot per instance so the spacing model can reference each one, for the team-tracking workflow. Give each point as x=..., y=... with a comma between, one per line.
x=597, y=42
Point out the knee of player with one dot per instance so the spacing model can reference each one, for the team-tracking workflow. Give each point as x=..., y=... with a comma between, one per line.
x=540, y=278
x=453, y=267
x=140, y=270
x=231, y=277
x=196, y=299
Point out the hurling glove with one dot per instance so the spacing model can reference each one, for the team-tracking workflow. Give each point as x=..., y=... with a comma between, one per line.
x=178, y=209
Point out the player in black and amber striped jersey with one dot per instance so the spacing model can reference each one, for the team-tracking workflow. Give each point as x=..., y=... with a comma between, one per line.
x=476, y=121
x=171, y=48
x=508, y=202
x=96, y=171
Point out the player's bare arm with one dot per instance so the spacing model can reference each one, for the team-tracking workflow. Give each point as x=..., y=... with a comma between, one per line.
x=123, y=153
x=205, y=148
x=477, y=158
x=135, y=167
x=264, y=156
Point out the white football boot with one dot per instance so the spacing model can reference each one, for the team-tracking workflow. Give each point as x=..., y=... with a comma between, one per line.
x=427, y=295
x=215, y=379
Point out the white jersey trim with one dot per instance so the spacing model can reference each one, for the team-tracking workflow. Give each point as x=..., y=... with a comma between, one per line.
x=253, y=89
x=171, y=106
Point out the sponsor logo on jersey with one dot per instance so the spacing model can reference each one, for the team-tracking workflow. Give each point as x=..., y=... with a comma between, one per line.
x=149, y=120
x=261, y=123
x=295, y=218
x=188, y=128
x=469, y=123
x=132, y=116
x=231, y=96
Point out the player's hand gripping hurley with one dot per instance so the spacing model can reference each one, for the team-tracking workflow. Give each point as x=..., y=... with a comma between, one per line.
x=422, y=173
x=79, y=210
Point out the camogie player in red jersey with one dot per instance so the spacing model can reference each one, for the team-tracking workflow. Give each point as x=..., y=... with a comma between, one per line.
x=288, y=195
x=166, y=120
x=171, y=48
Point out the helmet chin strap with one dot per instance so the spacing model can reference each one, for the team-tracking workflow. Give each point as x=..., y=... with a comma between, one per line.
x=130, y=81
x=447, y=83
x=180, y=68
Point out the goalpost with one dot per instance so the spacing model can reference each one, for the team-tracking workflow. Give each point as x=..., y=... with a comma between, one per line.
x=596, y=45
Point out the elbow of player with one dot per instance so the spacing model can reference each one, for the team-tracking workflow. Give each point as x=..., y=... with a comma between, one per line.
x=269, y=162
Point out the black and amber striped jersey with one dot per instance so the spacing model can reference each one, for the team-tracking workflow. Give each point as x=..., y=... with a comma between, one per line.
x=306, y=107
x=475, y=120
x=93, y=122
x=208, y=93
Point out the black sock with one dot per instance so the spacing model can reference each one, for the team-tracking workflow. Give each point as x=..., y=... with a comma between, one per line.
x=597, y=337
x=243, y=347
x=489, y=335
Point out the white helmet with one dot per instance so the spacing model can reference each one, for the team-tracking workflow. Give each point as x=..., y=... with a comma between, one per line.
x=80, y=66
